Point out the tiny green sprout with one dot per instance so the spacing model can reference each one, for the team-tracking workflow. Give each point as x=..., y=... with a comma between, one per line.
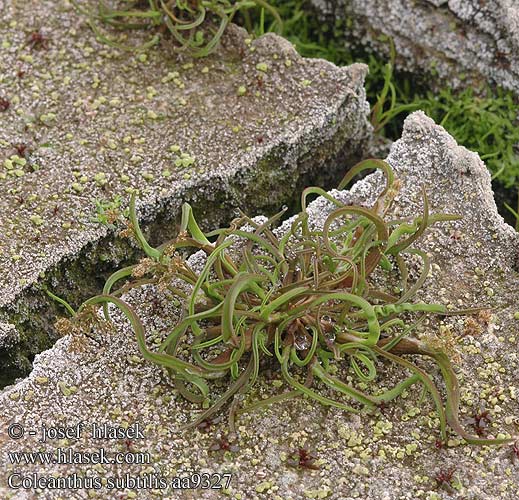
x=242, y=90
x=172, y=75
x=48, y=118
x=77, y=187
x=312, y=299
x=516, y=315
x=262, y=66
x=19, y=161
x=108, y=212
x=100, y=179
x=185, y=160
x=36, y=220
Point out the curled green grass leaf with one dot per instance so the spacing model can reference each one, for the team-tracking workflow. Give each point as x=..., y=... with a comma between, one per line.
x=311, y=300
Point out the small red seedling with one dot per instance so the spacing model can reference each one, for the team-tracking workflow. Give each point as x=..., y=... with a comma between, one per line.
x=444, y=478
x=22, y=149
x=205, y=425
x=480, y=421
x=382, y=407
x=4, y=104
x=303, y=459
x=515, y=452
x=438, y=444
x=223, y=444
x=38, y=41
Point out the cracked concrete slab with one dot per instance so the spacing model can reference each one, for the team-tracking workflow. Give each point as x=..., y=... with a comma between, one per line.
x=84, y=123
x=385, y=456
x=464, y=42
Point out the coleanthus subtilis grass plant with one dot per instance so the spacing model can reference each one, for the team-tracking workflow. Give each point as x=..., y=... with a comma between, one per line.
x=196, y=25
x=302, y=298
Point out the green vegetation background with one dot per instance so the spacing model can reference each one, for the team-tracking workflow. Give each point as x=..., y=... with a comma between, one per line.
x=483, y=119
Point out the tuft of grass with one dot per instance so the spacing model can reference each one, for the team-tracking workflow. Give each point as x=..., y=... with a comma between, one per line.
x=196, y=25
x=305, y=299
